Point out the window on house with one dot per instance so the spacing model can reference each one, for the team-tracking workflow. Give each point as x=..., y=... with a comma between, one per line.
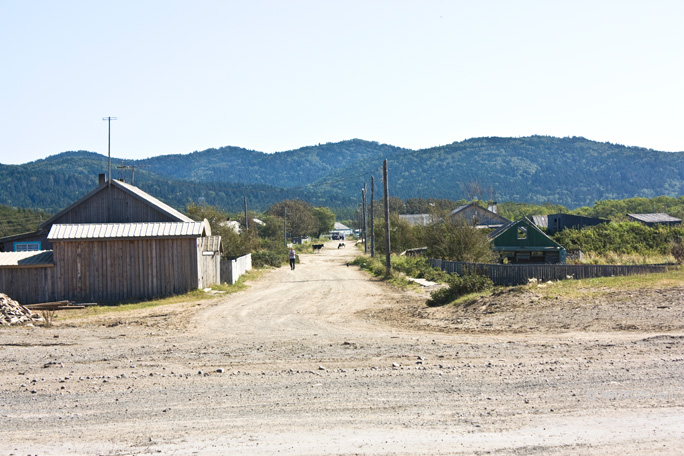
x=522, y=232
x=26, y=246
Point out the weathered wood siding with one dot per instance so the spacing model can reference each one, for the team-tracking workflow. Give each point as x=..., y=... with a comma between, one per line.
x=28, y=285
x=112, y=205
x=518, y=274
x=121, y=270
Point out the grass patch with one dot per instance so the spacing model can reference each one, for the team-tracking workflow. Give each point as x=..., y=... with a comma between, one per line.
x=189, y=297
x=624, y=258
x=192, y=296
x=240, y=284
x=377, y=268
x=419, y=268
x=584, y=288
x=460, y=287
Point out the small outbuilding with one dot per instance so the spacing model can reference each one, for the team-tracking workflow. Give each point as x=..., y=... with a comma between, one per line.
x=557, y=222
x=27, y=277
x=523, y=242
x=655, y=219
x=114, y=262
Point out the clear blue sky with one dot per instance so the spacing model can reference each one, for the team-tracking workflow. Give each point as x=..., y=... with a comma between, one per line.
x=272, y=76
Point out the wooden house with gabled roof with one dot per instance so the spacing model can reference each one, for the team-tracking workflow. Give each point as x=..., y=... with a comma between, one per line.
x=478, y=216
x=117, y=243
x=523, y=242
x=114, y=202
x=471, y=214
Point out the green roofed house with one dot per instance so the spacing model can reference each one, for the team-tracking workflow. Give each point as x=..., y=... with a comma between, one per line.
x=523, y=242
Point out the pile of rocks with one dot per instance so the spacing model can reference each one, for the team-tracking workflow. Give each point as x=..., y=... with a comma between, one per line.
x=13, y=313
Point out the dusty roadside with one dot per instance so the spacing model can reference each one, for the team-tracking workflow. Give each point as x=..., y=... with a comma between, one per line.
x=324, y=360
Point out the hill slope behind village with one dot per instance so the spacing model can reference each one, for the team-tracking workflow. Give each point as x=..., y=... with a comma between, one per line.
x=572, y=172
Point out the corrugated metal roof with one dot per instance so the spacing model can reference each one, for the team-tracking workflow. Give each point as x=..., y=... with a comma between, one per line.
x=417, y=219
x=542, y=221
x=655, y=218
x=92, y=231
x=212, y=244
x=26, y=259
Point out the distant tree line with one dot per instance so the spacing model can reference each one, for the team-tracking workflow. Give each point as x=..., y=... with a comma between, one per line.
x=572, y=172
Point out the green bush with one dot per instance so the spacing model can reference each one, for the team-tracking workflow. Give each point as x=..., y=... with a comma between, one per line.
x=263, y=258
x=271, y=253
x=419, y=268
x=460, y=286
x=372, y=265
x=622, y=238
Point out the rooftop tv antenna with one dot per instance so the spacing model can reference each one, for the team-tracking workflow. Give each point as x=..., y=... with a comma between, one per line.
x=123, y=166
x=109, y=145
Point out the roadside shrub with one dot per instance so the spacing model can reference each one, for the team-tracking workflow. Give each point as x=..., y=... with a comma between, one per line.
x=456, y=241
x=419, y=268
x=372, y=265
x=460, y=286
x=677, y=251
x=264, y=258
x=621, y=238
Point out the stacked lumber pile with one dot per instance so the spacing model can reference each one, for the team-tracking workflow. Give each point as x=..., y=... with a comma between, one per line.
x=56, y=305
x=13, y=313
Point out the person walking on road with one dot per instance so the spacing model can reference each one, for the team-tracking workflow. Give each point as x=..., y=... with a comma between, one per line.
x=293, y=257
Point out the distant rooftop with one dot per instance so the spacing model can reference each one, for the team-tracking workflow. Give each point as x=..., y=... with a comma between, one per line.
x=658, y=217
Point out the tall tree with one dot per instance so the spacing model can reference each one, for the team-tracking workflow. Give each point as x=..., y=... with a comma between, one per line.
x=300, y=217
x=326, y=219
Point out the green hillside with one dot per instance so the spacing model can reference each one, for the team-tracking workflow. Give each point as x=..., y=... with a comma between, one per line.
x=572, y=172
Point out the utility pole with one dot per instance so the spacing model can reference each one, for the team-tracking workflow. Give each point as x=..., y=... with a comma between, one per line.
x=372, y=217
x=388, y=262
x=285, y=224
x=109, y=145
x=246, y=222
x=365, y=225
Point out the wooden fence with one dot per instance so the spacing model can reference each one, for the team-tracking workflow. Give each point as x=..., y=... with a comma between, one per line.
x=232, y=269
x=518, y=274
x=28, y=285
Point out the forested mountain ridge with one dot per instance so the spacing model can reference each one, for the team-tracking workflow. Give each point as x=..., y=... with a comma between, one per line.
x=572, y=172
x=283, y=169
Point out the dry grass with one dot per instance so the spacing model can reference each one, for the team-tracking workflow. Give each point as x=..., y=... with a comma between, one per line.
x=194, y=296
x=48, y=317
x=623, y=258
x=673, y=278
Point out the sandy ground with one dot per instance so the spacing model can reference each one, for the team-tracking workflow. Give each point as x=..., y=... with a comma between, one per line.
x=324, y=360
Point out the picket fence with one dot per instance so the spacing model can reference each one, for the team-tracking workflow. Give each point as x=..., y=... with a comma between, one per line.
x=518, y=274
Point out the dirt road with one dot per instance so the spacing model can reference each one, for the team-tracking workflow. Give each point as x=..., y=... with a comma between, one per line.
x=324, y=360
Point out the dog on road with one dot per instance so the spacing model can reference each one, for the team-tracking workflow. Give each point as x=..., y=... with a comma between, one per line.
x=341, y=245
